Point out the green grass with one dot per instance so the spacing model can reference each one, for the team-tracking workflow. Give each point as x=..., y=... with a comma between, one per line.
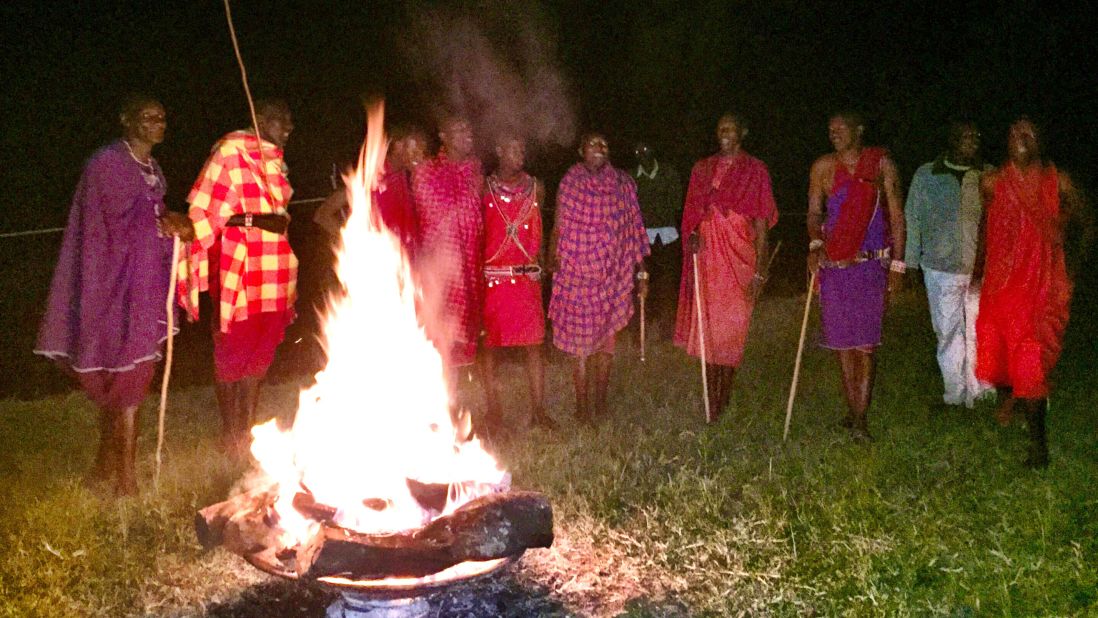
x=656, y=513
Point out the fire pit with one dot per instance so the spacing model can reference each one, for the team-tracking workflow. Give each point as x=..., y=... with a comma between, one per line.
x=387, y=574
x=376, y=490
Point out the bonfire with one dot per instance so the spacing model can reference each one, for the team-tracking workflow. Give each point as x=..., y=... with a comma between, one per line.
x=375, y=484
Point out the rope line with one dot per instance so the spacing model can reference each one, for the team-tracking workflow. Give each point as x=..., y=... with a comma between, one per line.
x=48, y=230
x=54, y=230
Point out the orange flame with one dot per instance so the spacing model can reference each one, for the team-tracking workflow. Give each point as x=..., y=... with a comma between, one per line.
x=378, y=413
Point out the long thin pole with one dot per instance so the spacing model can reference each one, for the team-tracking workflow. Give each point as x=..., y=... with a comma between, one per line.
x=773, y=255
x=800, y=350
x=701, y=339
x=248, y=96
x=642, y=298
x=169, y=308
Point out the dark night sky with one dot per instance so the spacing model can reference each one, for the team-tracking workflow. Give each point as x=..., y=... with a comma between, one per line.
x=660, y=71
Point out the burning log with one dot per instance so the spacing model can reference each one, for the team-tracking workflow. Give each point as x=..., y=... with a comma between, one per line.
x=210, y=522
x=492, y=526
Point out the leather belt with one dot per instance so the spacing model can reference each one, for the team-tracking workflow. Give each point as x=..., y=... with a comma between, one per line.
x=271, y=222
x=862, y=256
x=530, y=270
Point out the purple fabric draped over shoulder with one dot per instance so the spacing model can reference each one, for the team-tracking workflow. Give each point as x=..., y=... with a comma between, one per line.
x=106, y=304
x=852, y=298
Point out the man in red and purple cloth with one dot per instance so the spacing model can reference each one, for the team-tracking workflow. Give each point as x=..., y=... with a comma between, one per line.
x=242, y=257
x=856, y=250
x=1025, y=287
x=105, y=321
x=447, y=193
x=729, y=208
x=599, y=244
x=513, y=314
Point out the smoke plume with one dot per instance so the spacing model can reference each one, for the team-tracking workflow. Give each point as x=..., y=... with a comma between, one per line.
x=495, y=65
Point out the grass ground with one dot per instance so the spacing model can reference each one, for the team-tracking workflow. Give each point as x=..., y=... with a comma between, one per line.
x=656, y=513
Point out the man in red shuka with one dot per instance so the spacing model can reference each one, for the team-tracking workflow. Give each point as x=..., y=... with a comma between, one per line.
x=447, y=192
x=513, y=315
x=729, y=208
x=1023, y=280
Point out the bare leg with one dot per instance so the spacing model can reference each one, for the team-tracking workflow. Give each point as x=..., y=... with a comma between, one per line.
x=579, y=379
x=602, y=363
x=451, y=375
x=106, y=459
x=1038, y=437
x=713, y=391
x=247, y=404
x=227, y=406
x=858, y=374
x=1004, y=412
x=849, y=377
x=535, y=374
x=126, y=427
x=724, y=395
x=493, y=416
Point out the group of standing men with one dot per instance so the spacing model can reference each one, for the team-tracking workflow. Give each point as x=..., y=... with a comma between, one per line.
x=476, y=247
x=477, y=252
x=990, y=243
x=105, y=320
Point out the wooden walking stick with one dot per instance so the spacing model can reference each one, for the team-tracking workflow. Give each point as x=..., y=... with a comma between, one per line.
x=701, y=340
x=642, y=298
x=170, y=309
x=800, y=350
x=773, y=255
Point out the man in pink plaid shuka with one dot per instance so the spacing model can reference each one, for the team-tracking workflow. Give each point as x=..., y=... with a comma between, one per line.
x=599, y=241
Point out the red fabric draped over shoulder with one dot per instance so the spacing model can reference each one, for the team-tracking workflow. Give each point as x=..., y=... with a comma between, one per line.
x=857, y=209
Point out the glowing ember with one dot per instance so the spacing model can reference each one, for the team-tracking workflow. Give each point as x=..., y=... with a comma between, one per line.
x=378, y=413
x=463, y=570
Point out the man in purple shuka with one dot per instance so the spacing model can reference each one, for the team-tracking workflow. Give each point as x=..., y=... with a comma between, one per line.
x=857, y=249
x=105, y=321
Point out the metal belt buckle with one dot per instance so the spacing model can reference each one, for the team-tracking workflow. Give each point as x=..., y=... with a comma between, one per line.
x=248, y=219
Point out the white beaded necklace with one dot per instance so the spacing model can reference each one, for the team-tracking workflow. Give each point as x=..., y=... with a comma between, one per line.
x=148, y=172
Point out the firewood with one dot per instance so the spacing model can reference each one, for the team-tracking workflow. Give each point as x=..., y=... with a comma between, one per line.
x=209, y=523
x=249, y=532
x=492, y=526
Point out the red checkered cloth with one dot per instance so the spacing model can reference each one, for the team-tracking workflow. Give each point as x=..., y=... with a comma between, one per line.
x=448, y=253
x=601, y=239
x=258, y=270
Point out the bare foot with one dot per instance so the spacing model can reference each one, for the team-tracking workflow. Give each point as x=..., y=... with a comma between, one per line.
x=1005, y=412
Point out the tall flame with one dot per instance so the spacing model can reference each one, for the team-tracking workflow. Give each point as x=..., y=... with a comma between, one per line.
x=378, y=413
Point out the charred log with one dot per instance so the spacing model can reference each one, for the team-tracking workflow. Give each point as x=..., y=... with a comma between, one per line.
x=489, y=527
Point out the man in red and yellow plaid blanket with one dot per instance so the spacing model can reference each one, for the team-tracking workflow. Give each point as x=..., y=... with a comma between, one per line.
x=238, y=209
